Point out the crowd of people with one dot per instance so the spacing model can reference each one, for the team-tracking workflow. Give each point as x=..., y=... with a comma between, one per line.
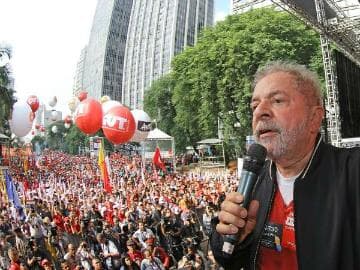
x=150, y=220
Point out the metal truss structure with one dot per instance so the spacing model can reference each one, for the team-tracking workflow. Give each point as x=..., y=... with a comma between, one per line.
x=338, y=21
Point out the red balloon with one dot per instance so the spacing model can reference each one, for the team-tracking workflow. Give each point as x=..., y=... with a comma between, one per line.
x=88, y=116
x=37, y=126
x=33, y=102
x=118, y=125
x=82, y=95
x=68, y=119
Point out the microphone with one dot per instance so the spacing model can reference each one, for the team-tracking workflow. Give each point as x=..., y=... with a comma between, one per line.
x=253, y=162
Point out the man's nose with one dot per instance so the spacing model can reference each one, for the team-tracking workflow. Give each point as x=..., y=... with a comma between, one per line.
x=262, y=110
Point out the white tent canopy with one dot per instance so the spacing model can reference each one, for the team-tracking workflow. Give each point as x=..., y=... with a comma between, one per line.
x=158, y=138
x=157, y=134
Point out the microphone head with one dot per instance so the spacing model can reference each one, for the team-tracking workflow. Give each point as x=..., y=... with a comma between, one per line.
x=255, y=158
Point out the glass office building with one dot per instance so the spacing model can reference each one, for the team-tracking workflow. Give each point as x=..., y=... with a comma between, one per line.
x=104, y=59
x=158, y=30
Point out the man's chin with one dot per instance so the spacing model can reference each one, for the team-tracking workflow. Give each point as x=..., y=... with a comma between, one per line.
x=270, y=148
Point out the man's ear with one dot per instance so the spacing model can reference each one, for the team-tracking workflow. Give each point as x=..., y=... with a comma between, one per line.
x=316, y=117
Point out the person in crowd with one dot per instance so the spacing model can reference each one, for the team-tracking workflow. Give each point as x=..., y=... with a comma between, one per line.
x=159, y=252
x=23, y=266
x=21, y=242
x=171, y=233
x=46, y=265
x=14, y=259
x=129, y=264
x=212, y=263
x=36, y=226
x=35, y=255
x=304, y=183
x=84, y=255
x=151, y=262
x=134, y=254
x=5, y=226
x=71, y=256
x=96, y=264
x=4, y=247
x=108, y=252
x=207, y=217
x=142, y=234
x=64, y=265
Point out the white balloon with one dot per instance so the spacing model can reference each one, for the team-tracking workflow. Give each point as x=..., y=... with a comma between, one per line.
x=142, y=124
x=73, y=103
x=53, y=101
x=67, y=125
x=21, y=122
x=108, y=105
x=54, y=115
x=54, y=129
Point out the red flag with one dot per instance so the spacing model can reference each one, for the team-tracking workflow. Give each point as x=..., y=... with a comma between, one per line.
x=157, y=159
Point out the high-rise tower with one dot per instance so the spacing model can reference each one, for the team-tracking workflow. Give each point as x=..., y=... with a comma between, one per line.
x=103, y=67
x=158, y=30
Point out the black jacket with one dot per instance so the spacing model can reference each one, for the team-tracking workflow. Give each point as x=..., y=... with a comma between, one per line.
x=327, y=213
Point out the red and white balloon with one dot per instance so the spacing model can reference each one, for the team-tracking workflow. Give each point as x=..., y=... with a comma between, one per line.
x=88, y=116
x=33, y=102
x=143, y=125
x=68, y=119
x=82, y=95
x=118, y=125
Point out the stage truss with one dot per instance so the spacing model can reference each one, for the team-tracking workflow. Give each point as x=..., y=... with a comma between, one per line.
x=342, y=27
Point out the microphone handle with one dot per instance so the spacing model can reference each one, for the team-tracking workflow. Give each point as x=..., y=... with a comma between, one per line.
x=247, y=182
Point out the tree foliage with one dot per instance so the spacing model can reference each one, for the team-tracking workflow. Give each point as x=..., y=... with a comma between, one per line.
x=68, y=140
x=7, y=98
x=212, y=80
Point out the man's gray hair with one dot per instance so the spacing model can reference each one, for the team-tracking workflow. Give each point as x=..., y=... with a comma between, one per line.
x=306, y=79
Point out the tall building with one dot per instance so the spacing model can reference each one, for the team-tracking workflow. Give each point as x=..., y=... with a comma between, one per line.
x=158, y=30
x=103, y=68
x=241, y=6
x=79, y=73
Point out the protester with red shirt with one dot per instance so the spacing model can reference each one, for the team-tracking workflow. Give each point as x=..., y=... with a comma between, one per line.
x=14, y=259
x=135, y=255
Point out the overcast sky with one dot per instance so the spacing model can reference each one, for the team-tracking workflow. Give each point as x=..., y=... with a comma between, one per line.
x=46, y=37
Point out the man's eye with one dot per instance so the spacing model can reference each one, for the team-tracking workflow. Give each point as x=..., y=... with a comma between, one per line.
x=253, y=106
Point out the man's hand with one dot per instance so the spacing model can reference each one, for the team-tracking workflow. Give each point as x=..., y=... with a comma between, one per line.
x=234, y=217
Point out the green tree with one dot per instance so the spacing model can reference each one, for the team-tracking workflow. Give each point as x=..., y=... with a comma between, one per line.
x=213, y=79
x=7, y=98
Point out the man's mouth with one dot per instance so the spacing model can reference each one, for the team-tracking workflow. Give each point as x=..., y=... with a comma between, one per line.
x=265, y=132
